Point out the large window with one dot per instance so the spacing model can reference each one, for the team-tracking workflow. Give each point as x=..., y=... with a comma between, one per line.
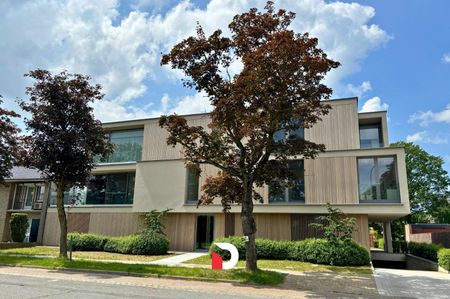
x=28, y=196
x=370, y=136
x=127, y=146
x=284, y=134
x=108, y=189
x=378, y=179
x=294, y=193
x=192, y=184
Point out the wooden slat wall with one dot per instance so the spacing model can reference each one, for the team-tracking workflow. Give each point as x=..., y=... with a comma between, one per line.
x=78, y=222
x=229, y=224
x=332, y=180
x=339, y=129
x=4, y=200
x=301, y=229
x=219, y=225
x=362, y=233
x=180, y=229
x=114, y=224
x=155, y=146
x=269, y=226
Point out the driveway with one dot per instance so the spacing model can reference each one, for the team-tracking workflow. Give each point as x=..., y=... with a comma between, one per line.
x=412, y=284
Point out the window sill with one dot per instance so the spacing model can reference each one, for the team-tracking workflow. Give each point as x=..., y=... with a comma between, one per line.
x=379, y=202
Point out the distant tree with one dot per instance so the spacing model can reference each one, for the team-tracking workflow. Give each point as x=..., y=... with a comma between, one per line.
x=65, y=136
x=9, y=141
x=428, y=186
x=277, y=92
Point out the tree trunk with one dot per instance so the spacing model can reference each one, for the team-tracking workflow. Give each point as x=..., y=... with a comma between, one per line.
x=249, y=228
x=62, y=220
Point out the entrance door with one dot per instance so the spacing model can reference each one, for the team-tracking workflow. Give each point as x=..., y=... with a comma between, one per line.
x=205, y=231
x=34, y=230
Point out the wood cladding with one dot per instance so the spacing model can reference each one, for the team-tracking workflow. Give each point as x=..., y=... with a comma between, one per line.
x=333, y=180
x=180, y=229
x=114, y=224
x=229, y=224
x=339, y=129
x=301, y=229
x=269, y=226
x=78, y=222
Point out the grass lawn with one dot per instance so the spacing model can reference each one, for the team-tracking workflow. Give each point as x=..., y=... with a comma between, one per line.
x=292, y=265
x=259, y=277
x=91, y=255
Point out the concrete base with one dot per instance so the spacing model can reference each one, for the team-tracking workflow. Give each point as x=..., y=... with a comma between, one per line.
x=384, y=256
x=417, y=263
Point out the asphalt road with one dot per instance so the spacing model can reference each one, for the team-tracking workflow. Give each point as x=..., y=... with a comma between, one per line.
x=14, y=286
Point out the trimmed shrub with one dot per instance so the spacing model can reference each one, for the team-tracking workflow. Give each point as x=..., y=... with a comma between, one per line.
x=19, y=226
x=319, y=251
x=143, y=244
x=444, y=258
x=424, y=250
x=86, y=242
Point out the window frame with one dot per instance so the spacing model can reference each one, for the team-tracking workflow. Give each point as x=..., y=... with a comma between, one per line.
x=108, y=134
x=372, y=126
x=186, y=191
x=379, y=200
x=287, y=191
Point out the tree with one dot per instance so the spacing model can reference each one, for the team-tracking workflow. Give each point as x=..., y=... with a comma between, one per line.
x=65, y=136
x=9, y=142
x=277, y=92
x=428, y=186
x=153, y=222
x=336, y=226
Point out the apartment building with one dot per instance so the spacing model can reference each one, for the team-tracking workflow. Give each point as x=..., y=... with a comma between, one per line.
x=359, y=173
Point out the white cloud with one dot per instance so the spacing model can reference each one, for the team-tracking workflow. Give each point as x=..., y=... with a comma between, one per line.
x=426, y=137
x=426, y=117
x=446, y=58
x=123, y=52
x=374, y=104
x=360, y=90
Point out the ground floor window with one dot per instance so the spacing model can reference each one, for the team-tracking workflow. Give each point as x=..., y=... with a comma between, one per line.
x=105, y=189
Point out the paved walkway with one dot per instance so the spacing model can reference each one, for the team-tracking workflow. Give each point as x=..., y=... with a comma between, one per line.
x=178, y=259
x=412, y=284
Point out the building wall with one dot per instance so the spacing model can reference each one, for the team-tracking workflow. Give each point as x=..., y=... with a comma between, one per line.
x=4, y=218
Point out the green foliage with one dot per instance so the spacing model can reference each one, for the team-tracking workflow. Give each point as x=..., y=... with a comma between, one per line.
x=9, y=141
x=86, y=242
x=320, y=251
x=380, y=244
x=428, y=186
x=424, y=250
x=19, y=226
x=153, y=222
x=336, y=226
x=141, y=244
x=444, y=258
x=399, y=246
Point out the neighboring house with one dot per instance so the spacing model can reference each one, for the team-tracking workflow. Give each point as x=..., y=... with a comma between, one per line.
x=428, y=233
x=358, y=173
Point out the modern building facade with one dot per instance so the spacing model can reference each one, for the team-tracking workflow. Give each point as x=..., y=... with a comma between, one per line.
x=359, y=173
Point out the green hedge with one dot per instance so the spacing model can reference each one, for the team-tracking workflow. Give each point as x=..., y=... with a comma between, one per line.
x=399, y=246
x=18, y=226
x=142, y=244
x=319, y=251
x=424, y=250
x=444, y=258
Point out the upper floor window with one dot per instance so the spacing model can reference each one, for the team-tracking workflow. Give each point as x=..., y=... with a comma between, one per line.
x=28, y=196
x=370, y=136
x=192, y=184
x=108, y=189
x=294, y=193
x=284, y=134
x=378, y=179
x=127, y=146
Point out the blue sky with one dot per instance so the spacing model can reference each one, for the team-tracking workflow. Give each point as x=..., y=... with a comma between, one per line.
x=395, y=55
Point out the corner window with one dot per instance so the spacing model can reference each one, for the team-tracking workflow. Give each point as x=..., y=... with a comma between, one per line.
x=370, y=136
x=108, y=189
x=378, y=179
x=192, y=184
x=28, y=196
x=295, y=193
x=284, y=134
x=127, y=146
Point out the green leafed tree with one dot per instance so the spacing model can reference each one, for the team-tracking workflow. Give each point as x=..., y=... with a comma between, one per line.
x=278, y=91
x=9, y=141
x=64, y=134
x=428, y=186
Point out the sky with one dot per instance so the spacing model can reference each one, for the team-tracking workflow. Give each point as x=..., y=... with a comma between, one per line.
x=395, y=55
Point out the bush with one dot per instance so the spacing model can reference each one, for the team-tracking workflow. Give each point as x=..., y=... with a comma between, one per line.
x=444, y=258
x=142, y=244
x=86, y=242
x=318, y=251
x=399, y=246
x=381, y=243
x=19, y=226
x=424, y=250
